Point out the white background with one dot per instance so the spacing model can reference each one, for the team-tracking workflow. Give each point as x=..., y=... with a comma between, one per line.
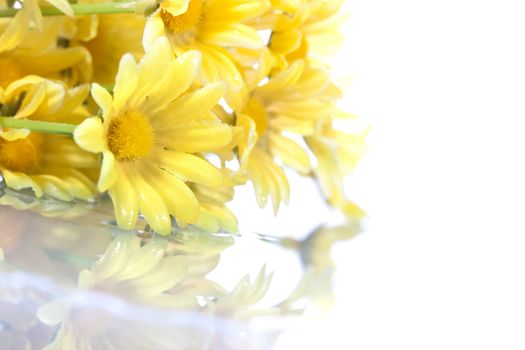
x=442, y=262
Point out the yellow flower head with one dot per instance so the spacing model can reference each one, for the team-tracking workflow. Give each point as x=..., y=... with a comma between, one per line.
x=310, y=29
x=50, y=164
x=292, y=105
x=213, y=27
x=151, y=131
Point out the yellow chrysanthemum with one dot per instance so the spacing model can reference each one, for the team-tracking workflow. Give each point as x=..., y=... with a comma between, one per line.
x=48, y=164
x=302, y=29
x=305, y=29
x=151, y=131
x=292, y=105
x=24, y=52
x=213, y=27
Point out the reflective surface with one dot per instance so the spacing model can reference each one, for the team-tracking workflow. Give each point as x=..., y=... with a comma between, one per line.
x=69, y=279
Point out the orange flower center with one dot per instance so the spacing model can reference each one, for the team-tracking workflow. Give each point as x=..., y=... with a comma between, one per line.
x=21, y=155
x=130, y=136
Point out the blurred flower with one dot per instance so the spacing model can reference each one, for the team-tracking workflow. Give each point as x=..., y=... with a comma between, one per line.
x=50, y=164
x=150, y=132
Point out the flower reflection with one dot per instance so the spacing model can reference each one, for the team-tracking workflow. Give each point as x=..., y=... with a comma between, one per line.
x=146, y=273
x=129, y=288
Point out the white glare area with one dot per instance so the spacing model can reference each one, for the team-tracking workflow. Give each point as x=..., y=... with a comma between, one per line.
x=441, y=264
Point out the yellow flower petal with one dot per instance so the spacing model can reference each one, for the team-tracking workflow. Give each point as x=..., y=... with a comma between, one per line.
x=286, y=41
x=103, y=99
x=126, y=81
x=14, y=134
x=178, y=77
x=152, y=206
x=180, y=200
x=54, y=187
x=230, y=34
x=125, y=202
x=188, y=167
x=15, y=31
x=149, y=69
x=108, y=172
x=192, y=106
x=34, y=13
x=289, y=152
x=19, y=181
x=89, y=135
x=153, y=30
x=197, y=137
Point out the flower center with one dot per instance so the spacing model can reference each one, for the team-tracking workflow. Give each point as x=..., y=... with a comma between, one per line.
x=185, y=23
x=21, y=155
x=130, y=136
x=10, y=71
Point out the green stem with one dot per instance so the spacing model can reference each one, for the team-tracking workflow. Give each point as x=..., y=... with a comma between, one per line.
x=81, y=9
x=37, y=126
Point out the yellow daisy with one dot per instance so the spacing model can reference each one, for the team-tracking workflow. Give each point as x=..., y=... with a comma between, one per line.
x=151, y=131
x=291, y=105
x=24, y=52
x=213, y=27
x=47, y=164
x=310, y=30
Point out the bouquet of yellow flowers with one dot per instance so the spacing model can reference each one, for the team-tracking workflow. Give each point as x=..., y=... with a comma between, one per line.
x=168, y=105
